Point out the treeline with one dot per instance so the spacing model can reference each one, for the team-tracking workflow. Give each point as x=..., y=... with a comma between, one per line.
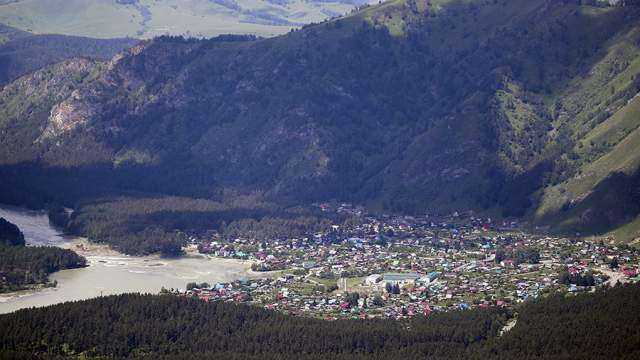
x=578, y=279
x=149, y=222
x=520, y=255
x=602, y=325
x=31, y=52
x=270, y=227
x=176, y=327
x=163, y=224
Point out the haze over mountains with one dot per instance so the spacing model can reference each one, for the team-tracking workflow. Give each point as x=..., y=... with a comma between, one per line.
x=519, y=108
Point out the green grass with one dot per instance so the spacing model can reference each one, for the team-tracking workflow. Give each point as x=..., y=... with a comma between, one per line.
x=624, y=157
x=326, y=282
x=604, y=117
x=628, y=233
x=615, y=129
x=520, y=118
x=108, y=19
x=133, y=156
x=353, y=284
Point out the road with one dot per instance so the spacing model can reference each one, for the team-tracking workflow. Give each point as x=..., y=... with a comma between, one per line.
x=615, y=277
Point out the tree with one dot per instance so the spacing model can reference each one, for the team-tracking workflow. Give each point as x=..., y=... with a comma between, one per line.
x=614, y=263
x=10, y=234
x=58, y=216
x=378, y=301
x=192, y=285
x=527, y=255
x=388, y=287
x=352, y=299
x=396, y=289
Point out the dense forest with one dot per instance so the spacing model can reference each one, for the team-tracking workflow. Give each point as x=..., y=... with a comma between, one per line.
x=22, y=266
x=601, y=325
x=145, y=225
x=23, y=52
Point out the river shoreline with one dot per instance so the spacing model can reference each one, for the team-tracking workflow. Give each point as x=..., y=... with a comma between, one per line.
x=109, y=271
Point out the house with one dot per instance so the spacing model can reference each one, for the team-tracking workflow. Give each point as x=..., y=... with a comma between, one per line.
x=506, y=263
x=400, y=278
x=373, y=279
x=429, y=278
x=309, y=264
x=630, y=272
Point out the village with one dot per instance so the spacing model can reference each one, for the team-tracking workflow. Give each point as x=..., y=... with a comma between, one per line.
x=402, y=266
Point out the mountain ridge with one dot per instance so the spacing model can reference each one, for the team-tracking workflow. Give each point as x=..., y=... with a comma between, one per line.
x=407, y=106
x=22, y=52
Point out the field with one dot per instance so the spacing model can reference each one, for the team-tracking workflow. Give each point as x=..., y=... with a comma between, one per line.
x=150, y=18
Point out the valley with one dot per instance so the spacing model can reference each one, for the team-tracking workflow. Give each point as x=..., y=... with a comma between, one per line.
x=288, y=179
x=365, y=267
x=400, y=267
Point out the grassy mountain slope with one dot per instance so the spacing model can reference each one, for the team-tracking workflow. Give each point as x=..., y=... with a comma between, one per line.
x=517, y=107
x=602, y=109
x=149, y=18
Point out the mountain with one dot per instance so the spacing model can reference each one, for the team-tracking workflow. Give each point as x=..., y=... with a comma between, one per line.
x=514, y=108
x=149, y=18
x=23, y=52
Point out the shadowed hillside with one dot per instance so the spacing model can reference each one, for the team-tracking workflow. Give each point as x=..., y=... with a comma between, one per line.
x=516, y=107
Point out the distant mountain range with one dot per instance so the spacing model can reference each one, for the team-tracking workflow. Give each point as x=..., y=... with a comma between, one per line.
x=22, y=52
x=149, y=18
x=509, y=107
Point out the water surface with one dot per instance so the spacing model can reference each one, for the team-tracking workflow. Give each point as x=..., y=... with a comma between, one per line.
x=109, y=272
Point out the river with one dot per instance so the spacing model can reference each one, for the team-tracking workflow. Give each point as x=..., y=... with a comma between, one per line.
x=110, y=272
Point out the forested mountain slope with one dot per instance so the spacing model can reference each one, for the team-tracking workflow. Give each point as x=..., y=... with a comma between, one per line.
x=603, y=325
x=522, y=107
x=22, y=52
